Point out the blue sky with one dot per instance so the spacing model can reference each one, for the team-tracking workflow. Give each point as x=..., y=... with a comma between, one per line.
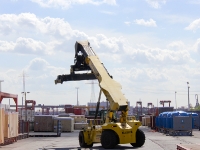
x=151, y=47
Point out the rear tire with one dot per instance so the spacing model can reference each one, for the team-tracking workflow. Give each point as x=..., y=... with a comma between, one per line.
x=140, y=138
x=109, y=139
x=82, y=141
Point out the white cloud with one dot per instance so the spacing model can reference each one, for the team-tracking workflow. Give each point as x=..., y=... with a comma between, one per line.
x=65, y=4
x=156, y=3
x=148, y=23
x=194, y=25
x=146, y=55
x=113, y=43
x=197, y=46
x=27, y=24
x=128, y=23
x=178, y=45
x=7, y=46
x=38, y=64
x=25, y=46
x=40, y=68
x=108, y=12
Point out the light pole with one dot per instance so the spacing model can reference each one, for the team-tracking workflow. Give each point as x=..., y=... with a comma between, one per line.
x=25, y=104
x=25, y=94
x=0, y=84
x=175, y=100
x=77, y=95
x=188, y=97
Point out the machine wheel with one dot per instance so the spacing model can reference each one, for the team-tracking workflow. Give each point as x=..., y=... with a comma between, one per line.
x=82, y=141
x=140, y=138
x=109, y=139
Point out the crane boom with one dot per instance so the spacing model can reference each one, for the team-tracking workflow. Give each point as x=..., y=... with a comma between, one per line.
x=86, y=59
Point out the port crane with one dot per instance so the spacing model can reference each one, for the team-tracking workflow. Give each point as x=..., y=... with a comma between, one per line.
x=113, y=131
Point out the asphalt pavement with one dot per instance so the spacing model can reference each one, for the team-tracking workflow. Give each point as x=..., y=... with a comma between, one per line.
x=154, y=141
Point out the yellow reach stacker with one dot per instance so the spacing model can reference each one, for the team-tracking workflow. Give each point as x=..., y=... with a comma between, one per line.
x=113, y=130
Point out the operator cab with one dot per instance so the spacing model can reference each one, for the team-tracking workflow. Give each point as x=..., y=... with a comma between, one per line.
x=104, y=114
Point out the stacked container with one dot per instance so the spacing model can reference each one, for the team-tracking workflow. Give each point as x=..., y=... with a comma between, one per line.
x=67, y=124
x=195, y=120
x=2, y=124
x=43, y=123
x=11, y=124
x=170, y=118
x=29, y=113
x=80, y=122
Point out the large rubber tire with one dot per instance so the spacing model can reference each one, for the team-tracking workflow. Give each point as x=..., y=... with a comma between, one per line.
x=140, y=138
x=109, y=139
x=82, y=141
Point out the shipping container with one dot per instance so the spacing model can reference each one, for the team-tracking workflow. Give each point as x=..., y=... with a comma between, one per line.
x=69, y=110
x=68, y=106
x=11, y=124
x=77, y=111
x=80, y=126
x=67, y=124
x=2, y=123
x=43, y=123
x=92, y=113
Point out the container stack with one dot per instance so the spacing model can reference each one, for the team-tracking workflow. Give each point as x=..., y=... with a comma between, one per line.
x=146, y=121
x=2, y=120
x=43, y=123
x=11, y=124
x=8, y=123
x=29, y=113
x=80, y=122
x=175, y=123
x=67, y=124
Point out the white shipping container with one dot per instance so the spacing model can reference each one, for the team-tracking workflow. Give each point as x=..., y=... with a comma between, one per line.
x=22, y=112
x=5, y=106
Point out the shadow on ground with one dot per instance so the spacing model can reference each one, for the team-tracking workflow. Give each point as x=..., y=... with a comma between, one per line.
x=118, y=147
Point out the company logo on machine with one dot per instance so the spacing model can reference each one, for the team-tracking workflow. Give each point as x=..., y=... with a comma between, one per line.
x=126, y=132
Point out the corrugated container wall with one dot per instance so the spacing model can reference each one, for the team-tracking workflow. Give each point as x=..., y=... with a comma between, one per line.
x=2, y=122
x=43, y=123
x=69, y=110
x=77, y=111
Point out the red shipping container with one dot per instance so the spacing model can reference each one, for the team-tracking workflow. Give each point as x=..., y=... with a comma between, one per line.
x=69, y=110
x=68, y=106
x=77, y=111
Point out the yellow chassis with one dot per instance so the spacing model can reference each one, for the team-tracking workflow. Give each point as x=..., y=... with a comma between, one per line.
x=126, y=132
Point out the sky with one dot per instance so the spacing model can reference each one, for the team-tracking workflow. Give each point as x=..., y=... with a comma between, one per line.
x=151, y=47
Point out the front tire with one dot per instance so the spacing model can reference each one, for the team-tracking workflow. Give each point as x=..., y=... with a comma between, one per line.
x=140, y=138
x=108, y=139
x=82, y=141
